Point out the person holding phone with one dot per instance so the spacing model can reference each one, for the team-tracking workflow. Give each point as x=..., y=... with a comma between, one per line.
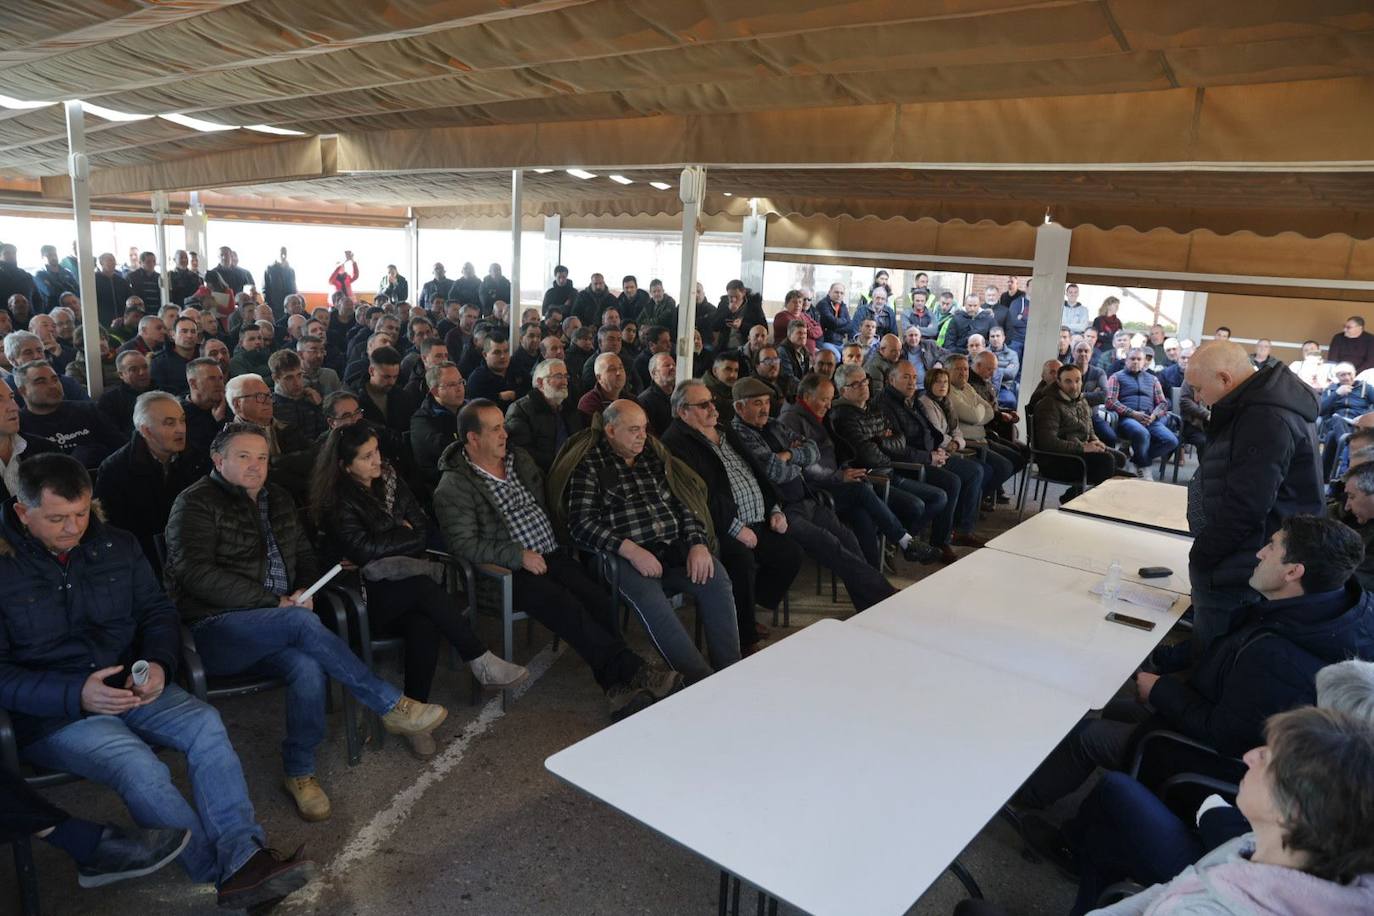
x=344, y=275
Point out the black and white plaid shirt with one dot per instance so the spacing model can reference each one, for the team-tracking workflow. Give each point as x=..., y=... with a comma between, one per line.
x=528, y=524
x=274, y=580
x=610, y=501
x=749, y=505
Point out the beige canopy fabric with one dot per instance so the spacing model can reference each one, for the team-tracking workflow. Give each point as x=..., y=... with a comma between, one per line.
x=1231, y=135
x=897, y=80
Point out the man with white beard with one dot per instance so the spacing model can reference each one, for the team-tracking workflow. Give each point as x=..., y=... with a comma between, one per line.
x=542, y=420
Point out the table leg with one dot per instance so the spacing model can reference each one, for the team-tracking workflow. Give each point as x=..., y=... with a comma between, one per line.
x=957, y=869
x=728, y=898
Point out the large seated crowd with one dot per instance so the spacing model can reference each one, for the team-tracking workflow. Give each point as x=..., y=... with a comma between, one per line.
x=244, y=443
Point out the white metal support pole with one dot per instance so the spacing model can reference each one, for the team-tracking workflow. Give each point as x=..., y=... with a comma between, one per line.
x=691, y=190
x=413, y=254
x=196, y=238
x=160, y=240
x=553, y=246
x=1192, y=321
x=752, y=241
x=79, y=168
x=517, y=208
x=1051, y=267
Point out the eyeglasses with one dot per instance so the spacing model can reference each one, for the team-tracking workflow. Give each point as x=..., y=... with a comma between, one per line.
x=700, y=405
x=556, y=376
x=770, y=361
x=352, y=416
x=458, y=384
x=858, y=383
x=255, y=398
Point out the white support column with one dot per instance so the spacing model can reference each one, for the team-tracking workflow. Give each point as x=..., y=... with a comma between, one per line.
x=194, y=222
x=160, y=240
x=413, y=254
x=553, y=246
x=752, y=241
x=1193, y=320
x=517, y=209
x=691, y=190
x=79, y=168
x=1050, y=270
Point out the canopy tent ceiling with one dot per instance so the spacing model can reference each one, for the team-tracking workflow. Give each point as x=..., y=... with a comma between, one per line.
x=409, y=64
x=1310, y=203
x=1242, y=119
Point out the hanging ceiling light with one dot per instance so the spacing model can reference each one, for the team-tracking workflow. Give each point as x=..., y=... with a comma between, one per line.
x=661, y=185
x=21, y=105
x=109, y=114
x=620, y=179
x=580, y=173
x=208, y=127
x=279, y=131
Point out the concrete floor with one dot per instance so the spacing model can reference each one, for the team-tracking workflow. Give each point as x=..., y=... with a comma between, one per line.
x=483, y=828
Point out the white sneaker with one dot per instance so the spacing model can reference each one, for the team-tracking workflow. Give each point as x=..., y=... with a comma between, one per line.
x=491, y=671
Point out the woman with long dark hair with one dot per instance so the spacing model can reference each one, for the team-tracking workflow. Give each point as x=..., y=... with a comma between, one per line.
x=369, y=517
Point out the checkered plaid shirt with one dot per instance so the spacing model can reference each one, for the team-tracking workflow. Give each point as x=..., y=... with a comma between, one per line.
x=749, y=505
x=529, y=526
x=275, y=580
x=610, y=501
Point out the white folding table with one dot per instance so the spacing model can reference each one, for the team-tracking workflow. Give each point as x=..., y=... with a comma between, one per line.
x=884, y=759
x=1145, y=503
x=1025, y=617
x=1090, y=544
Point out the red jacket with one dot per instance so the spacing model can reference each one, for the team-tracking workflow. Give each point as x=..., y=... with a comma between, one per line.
x=341, y=281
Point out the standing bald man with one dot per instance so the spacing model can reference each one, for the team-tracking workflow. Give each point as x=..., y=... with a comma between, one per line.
x=1260, y=467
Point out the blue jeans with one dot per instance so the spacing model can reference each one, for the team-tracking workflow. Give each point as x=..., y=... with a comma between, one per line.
x=1104, y=430
x=291, y=643
x=1148, y=443
x=1122, y=830
x=918, y=505
x=970, y=475
x=863, y=510
x=114, y=751
x=715, y=600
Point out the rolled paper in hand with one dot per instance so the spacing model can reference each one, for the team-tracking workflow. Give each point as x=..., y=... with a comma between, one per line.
x=139, y=671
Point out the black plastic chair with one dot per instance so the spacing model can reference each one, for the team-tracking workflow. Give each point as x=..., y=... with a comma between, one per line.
x=1043, y=479
x=206, y=687
x=26, y=873
x=1172, y=786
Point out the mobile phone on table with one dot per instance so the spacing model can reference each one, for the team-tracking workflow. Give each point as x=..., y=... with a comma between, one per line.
x=1128, y=621
x=1154, y=572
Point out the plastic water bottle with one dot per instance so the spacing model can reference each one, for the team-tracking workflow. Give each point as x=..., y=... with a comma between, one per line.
x=1111, y=586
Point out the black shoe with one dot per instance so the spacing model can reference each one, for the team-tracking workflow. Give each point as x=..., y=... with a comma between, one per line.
x=623, y=701
x=130, y=852
x=1049, y=842
x=918, y=551
x=660, y=682
x=266, y=878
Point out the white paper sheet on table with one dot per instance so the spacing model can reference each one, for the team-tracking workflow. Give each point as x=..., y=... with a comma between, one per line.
x=1151, y=598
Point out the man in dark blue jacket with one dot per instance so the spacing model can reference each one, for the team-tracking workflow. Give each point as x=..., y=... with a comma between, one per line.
x=1259, y=468
x=78, y=607
x=1313, y=614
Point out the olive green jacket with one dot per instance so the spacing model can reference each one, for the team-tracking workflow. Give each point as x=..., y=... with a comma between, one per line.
x=682, y=481
x=1062, y=425
x=474, y=527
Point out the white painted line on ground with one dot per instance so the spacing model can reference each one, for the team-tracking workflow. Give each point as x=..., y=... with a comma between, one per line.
x=373, y=835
